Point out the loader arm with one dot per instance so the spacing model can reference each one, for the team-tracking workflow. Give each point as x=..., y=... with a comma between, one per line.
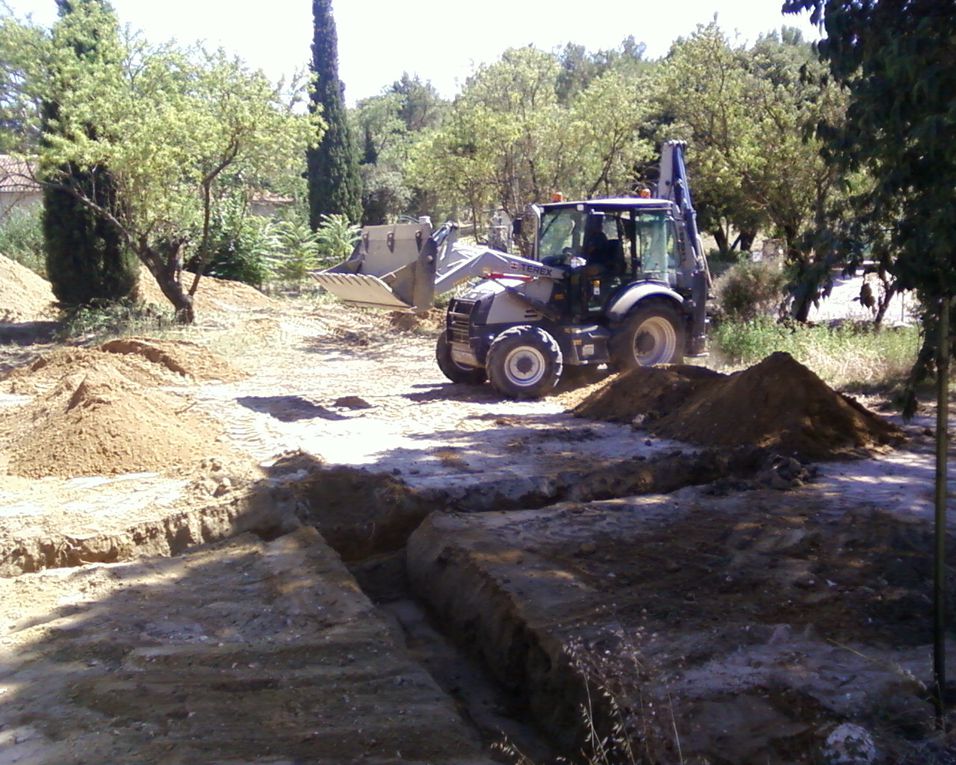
x=402, y=268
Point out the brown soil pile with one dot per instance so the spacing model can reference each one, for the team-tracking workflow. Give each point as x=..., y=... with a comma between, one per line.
x=777, y=404
x=141, y=361
x=48, y=370
x=99, y=422
x=178, y=356
x=24, y=296
x=644, y=395
x=213, y=296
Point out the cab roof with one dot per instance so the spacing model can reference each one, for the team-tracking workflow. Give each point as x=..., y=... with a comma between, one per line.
x=612, y=203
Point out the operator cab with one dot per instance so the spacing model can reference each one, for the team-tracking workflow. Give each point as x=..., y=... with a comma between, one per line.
x=607, y=244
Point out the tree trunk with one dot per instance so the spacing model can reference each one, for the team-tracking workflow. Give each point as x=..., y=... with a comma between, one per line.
x=720, y=237
x=165, y=264
x=746, y=240
x=939, y=567
x=883, y=305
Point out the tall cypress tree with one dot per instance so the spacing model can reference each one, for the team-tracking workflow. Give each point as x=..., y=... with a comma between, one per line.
x=86, y=259
x=333, y=173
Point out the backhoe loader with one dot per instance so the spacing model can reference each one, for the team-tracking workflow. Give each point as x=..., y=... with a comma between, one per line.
x=621, y=282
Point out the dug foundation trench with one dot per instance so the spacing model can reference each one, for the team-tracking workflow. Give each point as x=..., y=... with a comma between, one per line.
x=297, y=497
x=728, y=621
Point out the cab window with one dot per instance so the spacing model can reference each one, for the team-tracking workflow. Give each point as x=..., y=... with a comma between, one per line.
x=656, y=246
x=561, y=230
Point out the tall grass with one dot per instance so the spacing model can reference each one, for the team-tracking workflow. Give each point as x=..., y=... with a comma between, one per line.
x=849, y=356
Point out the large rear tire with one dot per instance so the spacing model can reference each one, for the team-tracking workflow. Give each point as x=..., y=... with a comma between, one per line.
x=524, y=362
x=652, y=334
x=457, y=373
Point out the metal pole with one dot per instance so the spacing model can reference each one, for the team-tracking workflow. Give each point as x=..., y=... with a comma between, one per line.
x=939, y=574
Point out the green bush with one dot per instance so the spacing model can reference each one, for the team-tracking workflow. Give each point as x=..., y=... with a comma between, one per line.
x=21, y=237
x=241, y=245
x=748, y=290
x=337, y=238
x=297, y=253
x=87, y=259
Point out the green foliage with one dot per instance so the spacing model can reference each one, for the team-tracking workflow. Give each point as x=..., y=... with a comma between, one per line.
x=297, y=252
x=388, y=124
x=122, y=317
x=337, y=238
x=334, y=181
x=747, y=115
x=508, y=139
x=894, y=58
x=850, y=355
x=87, y=260
x=21, y=238
x=241, y=245
x=176, y=128
x=749, y=290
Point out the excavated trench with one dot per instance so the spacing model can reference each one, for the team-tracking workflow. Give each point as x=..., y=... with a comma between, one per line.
x=486, y=657
x=475, y=644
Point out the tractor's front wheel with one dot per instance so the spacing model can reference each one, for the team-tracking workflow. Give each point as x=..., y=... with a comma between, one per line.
x=524, y=362
x=457, y=373
x=652, y=334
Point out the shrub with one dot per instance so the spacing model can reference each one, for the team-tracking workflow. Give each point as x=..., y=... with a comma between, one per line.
x=750, y=290
x=241, y=245
x=21, y=238
x=298, y=250
x=337, y=238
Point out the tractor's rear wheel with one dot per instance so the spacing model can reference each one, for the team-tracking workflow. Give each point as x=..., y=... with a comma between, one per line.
x=524, y=362
x=652, y=334
x=457, y=373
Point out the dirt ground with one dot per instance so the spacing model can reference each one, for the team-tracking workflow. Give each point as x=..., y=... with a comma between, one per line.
x=167, y=598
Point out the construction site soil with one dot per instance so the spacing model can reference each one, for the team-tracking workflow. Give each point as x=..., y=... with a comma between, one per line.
x=777, y=404
x=720, y=568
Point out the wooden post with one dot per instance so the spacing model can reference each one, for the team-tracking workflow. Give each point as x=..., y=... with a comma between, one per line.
x=942, y=450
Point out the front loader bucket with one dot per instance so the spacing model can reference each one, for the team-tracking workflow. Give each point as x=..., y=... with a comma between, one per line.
x=391, y=267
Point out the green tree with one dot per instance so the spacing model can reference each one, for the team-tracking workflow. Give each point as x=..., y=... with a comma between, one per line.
x=173, y=127
x=748, y=116
x=386, y=193
x=897, y=60
x=87, y=260
x=333, y=174
x=701, y=88
x=509, y=140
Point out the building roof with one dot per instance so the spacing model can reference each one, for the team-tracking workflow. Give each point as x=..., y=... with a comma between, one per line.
x=17, y=176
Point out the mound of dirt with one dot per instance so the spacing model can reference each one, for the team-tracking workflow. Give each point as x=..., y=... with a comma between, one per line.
x=48, y=370
x=141, y=361
x=644, y=394
x=99, y=422
x=777, y=404
x=213, y=296
x=24, y=296
x=179, y=356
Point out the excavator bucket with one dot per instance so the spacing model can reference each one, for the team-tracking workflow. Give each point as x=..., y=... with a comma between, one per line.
x=391, y=267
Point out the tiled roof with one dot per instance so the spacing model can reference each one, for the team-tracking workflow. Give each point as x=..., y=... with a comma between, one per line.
x=16, y=176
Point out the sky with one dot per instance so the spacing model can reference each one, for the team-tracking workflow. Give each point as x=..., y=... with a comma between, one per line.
x=440, y=41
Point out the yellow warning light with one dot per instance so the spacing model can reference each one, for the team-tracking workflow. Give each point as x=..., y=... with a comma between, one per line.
x=557, y=196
